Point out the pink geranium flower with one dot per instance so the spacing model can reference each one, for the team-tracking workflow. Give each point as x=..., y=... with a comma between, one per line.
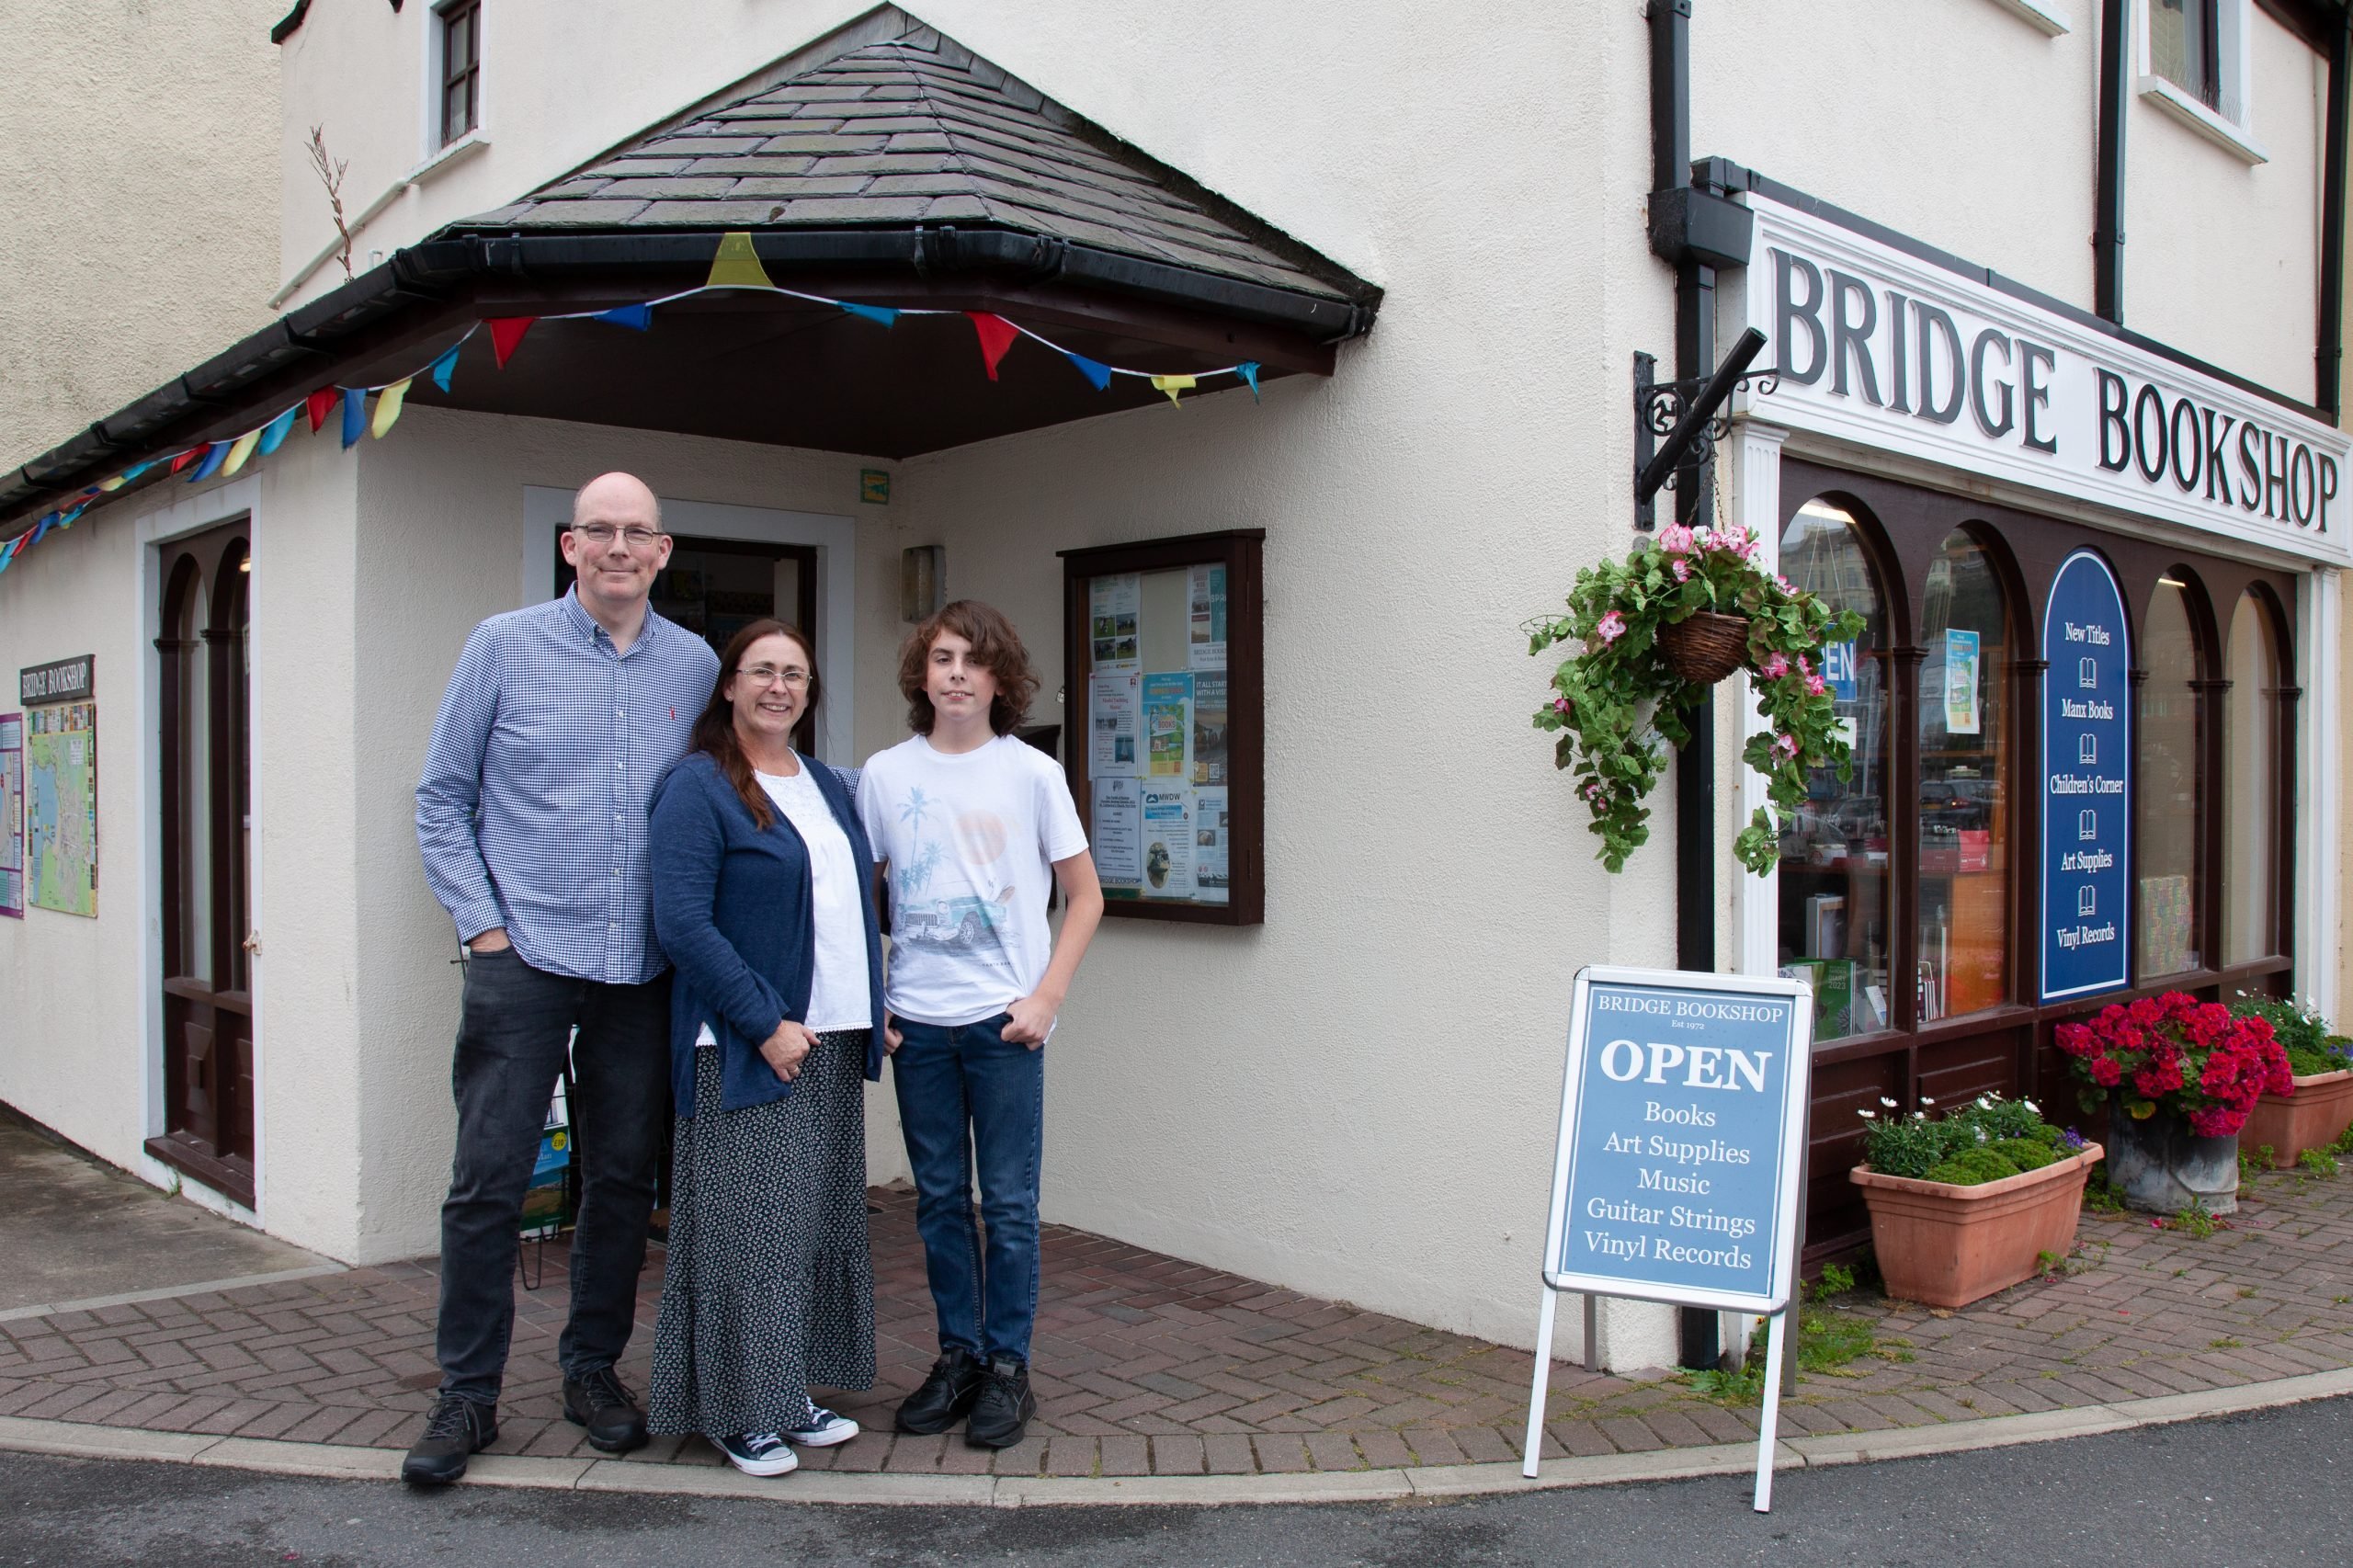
x=1785, y=746
x=1814, y=687
x=1610, y=628
x=1775, y=668
x=1674, y=539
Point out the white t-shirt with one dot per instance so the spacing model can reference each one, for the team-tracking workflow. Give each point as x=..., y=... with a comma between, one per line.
x=972, y=840
x=837, y=997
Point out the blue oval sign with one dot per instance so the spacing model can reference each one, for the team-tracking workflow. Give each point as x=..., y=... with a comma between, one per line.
x=2087, y=783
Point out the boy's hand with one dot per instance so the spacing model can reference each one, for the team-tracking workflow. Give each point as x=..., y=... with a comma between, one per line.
x=1031, y=1019
x=892, y=1038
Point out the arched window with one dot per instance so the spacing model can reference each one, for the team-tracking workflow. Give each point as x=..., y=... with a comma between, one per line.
x=2168, y=824
x=2251, y=785
x=1834, y=927
x=1965, y=811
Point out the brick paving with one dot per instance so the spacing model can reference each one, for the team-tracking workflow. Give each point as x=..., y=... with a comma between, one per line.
x=1149, y=1365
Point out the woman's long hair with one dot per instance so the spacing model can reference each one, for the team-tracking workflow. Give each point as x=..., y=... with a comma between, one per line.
x=715, y=729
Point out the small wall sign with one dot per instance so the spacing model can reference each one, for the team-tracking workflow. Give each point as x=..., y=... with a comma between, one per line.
x=66, y=680
x=874, y=486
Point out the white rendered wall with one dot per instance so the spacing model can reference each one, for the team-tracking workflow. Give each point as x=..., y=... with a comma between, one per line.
x=139, y=154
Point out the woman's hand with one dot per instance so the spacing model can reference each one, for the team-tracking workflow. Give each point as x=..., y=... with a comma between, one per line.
x=788, y=1050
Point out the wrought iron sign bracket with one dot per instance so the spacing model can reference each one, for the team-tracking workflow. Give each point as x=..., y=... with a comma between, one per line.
x=1677, y=424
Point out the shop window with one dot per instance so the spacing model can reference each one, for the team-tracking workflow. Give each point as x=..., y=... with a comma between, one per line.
x=1834, y=881
x=2167, y=828
x=2250, y=786
x=1965, y=811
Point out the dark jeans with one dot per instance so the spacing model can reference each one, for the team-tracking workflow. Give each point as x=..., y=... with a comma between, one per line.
x=510, y=1051
x=964, y=1093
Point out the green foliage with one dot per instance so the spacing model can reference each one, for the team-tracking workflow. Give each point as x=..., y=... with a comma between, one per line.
x=1918, y=1146
x=1618, y=706
x=2317, y=1163
x=2312, y=1048
x=2100, y=1195
x=1827, y=1339
x=2197, y=1220
x=1835, y=1281
x=2255, y=1165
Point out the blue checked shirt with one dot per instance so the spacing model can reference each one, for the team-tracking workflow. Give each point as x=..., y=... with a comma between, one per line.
x=532, y=810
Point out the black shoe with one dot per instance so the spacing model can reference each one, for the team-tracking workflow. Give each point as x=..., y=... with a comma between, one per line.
x=946, y=1395
x=1002, y=1413
x=596, y=1400
x=458, y=1429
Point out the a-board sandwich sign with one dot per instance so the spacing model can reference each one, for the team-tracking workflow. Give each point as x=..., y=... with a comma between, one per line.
x=1681, y=1151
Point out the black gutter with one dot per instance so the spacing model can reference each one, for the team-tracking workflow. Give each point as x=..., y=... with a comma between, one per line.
x=2108, y=207
x=1695, y=355
x=2328, y=363
x=431, y=271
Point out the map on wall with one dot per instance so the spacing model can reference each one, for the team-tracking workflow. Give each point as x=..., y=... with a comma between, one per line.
x=12, y=815
x=62, y=806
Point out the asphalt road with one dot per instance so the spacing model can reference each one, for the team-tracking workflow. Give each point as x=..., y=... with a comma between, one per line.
x=2246, y=1491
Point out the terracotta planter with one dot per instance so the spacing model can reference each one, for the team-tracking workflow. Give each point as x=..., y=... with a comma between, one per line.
x=2315, y=1116
x=1946, y=1246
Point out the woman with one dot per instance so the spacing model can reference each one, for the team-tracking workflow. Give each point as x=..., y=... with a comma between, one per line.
x=763, y=899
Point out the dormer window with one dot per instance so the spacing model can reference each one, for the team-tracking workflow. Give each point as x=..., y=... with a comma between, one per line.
x=459, y=48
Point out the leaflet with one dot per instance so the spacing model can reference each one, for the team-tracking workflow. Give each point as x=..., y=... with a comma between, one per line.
x=1118, y=831
x=1112, y=605
x=1205, y=596
x=1208, y=763
x=1111, y=711
x=1168, y=841
x=1168, y=724
x=1212, y=846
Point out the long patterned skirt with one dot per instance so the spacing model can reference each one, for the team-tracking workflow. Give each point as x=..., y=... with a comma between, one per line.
x=770, y=1285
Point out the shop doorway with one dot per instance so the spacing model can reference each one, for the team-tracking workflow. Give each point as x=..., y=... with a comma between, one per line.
x=205, y=799
x=715, y=587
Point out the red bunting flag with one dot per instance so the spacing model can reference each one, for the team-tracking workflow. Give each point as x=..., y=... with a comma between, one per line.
x=186, y=457
x=997, y=335
x=506, y=334
x=318, y=406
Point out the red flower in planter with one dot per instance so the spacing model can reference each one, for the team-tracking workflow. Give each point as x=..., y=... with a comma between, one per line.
x=2174, y=1052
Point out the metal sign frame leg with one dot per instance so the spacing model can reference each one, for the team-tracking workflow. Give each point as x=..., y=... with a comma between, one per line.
x=1776, y=1344
x=1542, y=1375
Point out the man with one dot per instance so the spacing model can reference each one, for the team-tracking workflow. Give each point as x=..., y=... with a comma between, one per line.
x=971, y=824
x=558, y=724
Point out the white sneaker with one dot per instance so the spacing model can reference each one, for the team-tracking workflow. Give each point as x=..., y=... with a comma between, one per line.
x=820, y=1428
x=758, y=1453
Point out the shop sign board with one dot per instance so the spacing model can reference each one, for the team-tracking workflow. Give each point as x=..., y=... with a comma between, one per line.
x=2087, y=783
x=1880, y=348
x=1677, y=1167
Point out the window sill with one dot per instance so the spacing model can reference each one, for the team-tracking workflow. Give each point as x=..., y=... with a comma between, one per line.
x=460, y=151
x=2232, y=139
x=2044, y=16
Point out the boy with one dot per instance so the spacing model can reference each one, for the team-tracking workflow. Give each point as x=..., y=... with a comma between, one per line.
x=969, y=822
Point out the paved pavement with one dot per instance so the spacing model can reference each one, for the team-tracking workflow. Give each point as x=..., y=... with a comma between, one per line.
x=2266, y=1491
x=72, y=1228
x=1147, y=1365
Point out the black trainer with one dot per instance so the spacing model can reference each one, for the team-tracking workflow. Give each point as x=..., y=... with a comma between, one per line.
x=945, y=1396
x=1002, y=1413
x=457, y=1430
x=598, y=1401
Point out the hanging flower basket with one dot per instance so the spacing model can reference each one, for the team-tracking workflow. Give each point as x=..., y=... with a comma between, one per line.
x=1655, y=632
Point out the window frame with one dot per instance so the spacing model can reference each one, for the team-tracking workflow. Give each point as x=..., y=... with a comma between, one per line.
x=439, y=84
x=2229, y=121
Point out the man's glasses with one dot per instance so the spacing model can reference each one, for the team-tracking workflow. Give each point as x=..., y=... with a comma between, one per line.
x=601, y=534
x=768, y=674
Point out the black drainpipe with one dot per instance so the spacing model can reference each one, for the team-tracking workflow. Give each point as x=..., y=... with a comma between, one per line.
x=1695, y=355
x=2328, y=370
x=2108, y=222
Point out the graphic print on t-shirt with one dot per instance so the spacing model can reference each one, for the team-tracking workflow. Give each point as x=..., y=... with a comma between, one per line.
x=956, y=892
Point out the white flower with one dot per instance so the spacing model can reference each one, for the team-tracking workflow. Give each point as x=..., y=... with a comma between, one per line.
x=1925, y=1100
x=2032, y=1106
x=1868, y=1115
x=1888, y=1103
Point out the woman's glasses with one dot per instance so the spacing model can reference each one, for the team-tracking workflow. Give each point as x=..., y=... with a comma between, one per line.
x=768, y=674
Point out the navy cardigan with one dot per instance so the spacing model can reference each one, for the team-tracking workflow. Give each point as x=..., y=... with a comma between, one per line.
x=733, y=908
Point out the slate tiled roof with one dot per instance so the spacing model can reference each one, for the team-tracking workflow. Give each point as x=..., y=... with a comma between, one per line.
x=915, y=130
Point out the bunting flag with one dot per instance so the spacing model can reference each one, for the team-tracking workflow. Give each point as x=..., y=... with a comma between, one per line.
x=186, y=458
x=506, y=334
x=737, y=265
x=1092, y=370
x=883, y=314
x=355, y=415
x=1172, y=385
x=117, y=483
x=997, y=335
x=1248, y=372
x=239, y=451
x=442, y=368
x=320, y=403
x=637, y=318
x=214, y=456
x=387, y=407
x=66, y=520
x=272, y=435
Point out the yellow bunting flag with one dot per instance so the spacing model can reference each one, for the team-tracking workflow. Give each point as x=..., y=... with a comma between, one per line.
x=388, y=406
x=239, y=452
x=737, y=265
x=117, y=483
x=1172, y=385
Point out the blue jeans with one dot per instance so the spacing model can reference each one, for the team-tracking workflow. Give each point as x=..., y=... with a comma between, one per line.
x=965, y=1095
x=511, y=1049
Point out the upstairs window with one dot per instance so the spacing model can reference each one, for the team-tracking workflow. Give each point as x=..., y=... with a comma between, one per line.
x=2184, y=47
x=458, y=48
